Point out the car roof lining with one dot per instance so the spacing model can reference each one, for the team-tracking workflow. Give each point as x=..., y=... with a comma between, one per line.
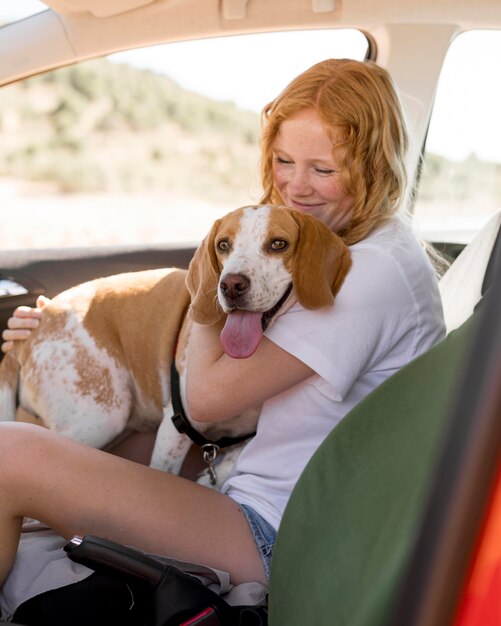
x=262, y=13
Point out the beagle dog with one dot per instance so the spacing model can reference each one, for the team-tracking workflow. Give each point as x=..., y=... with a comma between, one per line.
x=100, y=360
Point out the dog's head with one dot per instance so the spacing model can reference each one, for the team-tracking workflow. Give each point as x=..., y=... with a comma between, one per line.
x=251, y=258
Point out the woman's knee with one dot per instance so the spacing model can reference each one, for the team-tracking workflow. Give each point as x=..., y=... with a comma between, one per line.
x=19, y=445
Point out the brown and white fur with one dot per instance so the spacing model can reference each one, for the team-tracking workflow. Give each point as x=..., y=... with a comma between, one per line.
x=100, y=359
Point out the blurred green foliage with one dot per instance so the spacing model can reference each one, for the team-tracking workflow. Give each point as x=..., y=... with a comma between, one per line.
x=101, y=126
x=470, y=180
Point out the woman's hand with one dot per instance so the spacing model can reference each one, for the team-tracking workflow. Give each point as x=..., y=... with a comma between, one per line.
x=23, y=321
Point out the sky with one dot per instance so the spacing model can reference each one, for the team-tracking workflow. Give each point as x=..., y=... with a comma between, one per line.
x=257, y=73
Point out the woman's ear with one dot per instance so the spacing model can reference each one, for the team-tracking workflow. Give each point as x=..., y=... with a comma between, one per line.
x=202, y=280
x=321, y=262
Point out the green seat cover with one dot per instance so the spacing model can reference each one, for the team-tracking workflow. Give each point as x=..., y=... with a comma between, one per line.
x=351, y=520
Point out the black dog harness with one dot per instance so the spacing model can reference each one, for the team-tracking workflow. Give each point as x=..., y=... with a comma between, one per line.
x=265, y=320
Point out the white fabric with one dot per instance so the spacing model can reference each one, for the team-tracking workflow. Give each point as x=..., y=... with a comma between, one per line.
x=387, y=312
x=461, y=286
x=42, y=565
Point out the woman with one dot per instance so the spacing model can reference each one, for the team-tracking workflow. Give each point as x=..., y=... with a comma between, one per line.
x=333, y=145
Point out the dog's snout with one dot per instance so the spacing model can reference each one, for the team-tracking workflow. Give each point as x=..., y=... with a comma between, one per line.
x=234, y=286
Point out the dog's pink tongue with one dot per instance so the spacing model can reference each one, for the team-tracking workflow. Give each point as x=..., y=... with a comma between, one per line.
x=241, y=334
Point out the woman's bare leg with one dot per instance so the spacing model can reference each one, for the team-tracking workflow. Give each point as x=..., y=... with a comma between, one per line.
x=78, y=490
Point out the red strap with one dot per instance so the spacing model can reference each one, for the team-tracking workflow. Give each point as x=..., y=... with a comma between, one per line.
x=208, y=617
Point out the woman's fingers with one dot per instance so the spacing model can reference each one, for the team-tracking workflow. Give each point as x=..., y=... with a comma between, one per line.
x=23, y=321
x=10, y=336
x=15, y=335
x=18, y=321
x=7, y=346
x=27, y=313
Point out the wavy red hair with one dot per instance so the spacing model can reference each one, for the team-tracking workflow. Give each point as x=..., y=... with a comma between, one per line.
x=358, y=102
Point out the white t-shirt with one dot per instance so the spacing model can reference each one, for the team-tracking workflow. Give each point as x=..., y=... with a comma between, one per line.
x=387, y=312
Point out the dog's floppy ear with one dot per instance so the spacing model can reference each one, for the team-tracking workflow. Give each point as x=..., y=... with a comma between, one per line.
x=202, y=280
x=320, y=264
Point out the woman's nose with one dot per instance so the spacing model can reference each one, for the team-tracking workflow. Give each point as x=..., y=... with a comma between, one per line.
x=299, y=183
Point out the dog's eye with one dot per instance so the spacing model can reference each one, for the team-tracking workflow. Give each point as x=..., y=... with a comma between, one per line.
x=278, y=244
x=223, y=245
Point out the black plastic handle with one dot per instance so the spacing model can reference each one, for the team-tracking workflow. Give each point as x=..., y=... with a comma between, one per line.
x=108, y=557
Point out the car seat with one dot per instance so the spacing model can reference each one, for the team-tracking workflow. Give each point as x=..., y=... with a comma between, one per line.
x=465, y=282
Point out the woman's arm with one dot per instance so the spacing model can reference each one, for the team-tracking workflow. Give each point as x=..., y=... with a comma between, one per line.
x=219, y=387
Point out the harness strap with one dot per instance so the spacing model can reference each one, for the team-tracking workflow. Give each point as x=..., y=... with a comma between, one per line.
x=265, y=320
x=182, y=424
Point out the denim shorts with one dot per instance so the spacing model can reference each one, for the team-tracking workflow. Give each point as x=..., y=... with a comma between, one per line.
x=264, y=536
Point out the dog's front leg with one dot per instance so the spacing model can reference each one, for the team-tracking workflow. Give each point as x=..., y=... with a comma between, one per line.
x=170, y=447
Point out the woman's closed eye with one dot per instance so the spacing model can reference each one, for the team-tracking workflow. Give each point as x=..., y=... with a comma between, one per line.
x=283, y=161
x=324, y=172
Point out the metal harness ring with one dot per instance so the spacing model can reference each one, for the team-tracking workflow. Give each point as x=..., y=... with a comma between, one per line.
x=210, y=452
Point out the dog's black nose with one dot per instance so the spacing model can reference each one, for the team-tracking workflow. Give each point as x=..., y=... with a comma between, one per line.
x=234, y=285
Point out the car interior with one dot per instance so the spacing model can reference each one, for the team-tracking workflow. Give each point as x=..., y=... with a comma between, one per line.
x=391, y=522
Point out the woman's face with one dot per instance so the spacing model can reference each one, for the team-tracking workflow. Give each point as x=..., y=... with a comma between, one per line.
x=305, y=172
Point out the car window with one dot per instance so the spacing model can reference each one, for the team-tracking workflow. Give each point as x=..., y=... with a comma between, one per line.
x=460, y=186
x=145, y=146
x=14, y=11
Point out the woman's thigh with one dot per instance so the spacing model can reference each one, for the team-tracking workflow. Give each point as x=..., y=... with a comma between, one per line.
x=76, y=489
